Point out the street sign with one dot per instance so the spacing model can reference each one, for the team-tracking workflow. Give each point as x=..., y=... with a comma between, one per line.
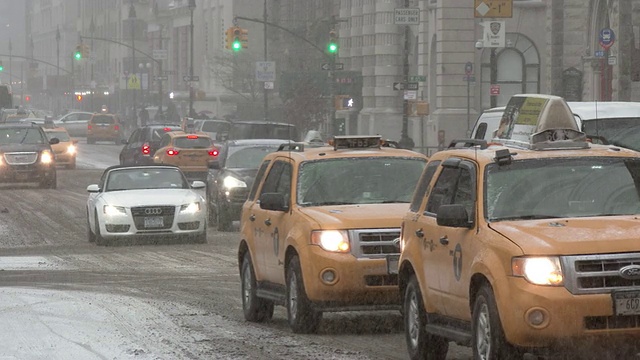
x=133, y=82
x=612, y=60
x=337, y=66
x=493, y=8
x=494, y=89
x=606, y=38
x=265, y=71
x=190, y=78
x=468, y=68
x=410, y=95
x=398, y=86
x=407, y=16
x=160, y=78
x=469, y=78
x=268, y=85
x=160, y=54
x=412, y=86
x=599, y=53
x=418, y=78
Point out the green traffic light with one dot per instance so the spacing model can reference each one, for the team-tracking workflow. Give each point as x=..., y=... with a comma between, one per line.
x=1, y=67
x=78, y=55
x=332, y=48
x=237, y=45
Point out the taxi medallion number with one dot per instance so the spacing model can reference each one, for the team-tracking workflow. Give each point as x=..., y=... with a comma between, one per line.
x=153, y=222
x=626, y=302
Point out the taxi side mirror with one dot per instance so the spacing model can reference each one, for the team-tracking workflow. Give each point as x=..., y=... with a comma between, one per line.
x=453, y=215
x=124, y=141
x=273, y=201
x=54, y=141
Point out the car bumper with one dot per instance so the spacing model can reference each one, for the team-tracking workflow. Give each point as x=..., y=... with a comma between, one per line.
x=568, y=318
x=129, y=225
x=358, y=281
x=65, y=158
x=26, y=173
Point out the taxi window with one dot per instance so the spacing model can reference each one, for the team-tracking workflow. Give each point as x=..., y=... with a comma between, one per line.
x=362, y=180
x=562, y=187
x=61, y=135
x=464, y=193
x=423, y=185
x=258, y=180
x=443, y=190
x=102, y=119
x=273, y=178
x=192, y=143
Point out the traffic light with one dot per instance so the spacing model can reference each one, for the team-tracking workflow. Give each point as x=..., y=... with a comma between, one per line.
x=332, y=46
x=244, y=38
x=1, y=66
x=86, y=51
x=228, y=38
x=79, y=97
x=236, y=45
x=78, y=54
x=27, y=98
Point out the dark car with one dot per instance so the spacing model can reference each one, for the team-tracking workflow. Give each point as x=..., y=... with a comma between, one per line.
x=250, y=129
x=231, y=176
x=143, y=143
x=26, y=155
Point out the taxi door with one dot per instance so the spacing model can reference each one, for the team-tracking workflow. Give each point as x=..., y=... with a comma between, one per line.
x=275, y=224
x=456, y=244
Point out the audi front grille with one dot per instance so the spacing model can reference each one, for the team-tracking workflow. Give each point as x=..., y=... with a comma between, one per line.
x=142, y=212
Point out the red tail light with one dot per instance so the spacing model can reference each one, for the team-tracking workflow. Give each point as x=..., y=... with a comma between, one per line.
x=166, y=129
x=88, y=126
x=214, y=152
x=192, y=136
x=146, y=149
x=116, y=127
x=172, y=152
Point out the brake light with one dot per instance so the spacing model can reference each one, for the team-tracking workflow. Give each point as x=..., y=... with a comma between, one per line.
x=88, y=126
x=146, y=149
x=192, y=136
x=116, y=127
x=214, y=152
x=166, y=129
x=172, y=152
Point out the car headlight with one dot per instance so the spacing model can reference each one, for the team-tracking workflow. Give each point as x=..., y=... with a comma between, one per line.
x=331, y=240
x=71, y=149
x=543, y=270
x=111, y=210
x=46, y=157
x=231, y=182
x=190, y=208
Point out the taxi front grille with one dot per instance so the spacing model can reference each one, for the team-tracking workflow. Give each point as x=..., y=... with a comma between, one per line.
x=598, y=274
x=612, y=322
x=375, y=243
x=21, y=158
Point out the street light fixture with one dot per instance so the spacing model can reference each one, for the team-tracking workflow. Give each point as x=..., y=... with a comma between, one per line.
x=192, y=7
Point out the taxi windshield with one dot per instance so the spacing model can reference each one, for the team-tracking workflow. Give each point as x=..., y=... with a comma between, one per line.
x=250, y=157
x=192, y=142
x=346, y=181
x=138, y=179
x=562, y=188
x=21, y=136
x=60, y=135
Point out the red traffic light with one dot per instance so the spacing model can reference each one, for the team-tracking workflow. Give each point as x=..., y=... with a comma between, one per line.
x=27, y=98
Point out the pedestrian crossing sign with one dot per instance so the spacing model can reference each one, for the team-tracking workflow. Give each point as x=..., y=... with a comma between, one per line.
x=133, y=82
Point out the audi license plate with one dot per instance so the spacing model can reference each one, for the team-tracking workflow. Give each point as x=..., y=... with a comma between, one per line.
x=626, y=302
x=153, y=222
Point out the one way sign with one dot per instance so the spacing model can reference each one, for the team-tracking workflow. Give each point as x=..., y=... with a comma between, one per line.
x=398, y=86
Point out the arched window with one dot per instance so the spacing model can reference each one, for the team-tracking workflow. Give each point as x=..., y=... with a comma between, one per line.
x=518, y=70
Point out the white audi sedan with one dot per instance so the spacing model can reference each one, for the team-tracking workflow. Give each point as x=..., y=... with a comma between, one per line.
x=154, y=201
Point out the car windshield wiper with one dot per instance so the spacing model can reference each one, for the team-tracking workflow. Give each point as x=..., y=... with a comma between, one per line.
x=326, y=203
x=527, y=217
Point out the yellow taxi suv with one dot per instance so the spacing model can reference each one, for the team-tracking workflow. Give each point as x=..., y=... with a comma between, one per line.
x=66, y=150
x=191, y=152
x=318, y=226
x=526, y=244
x=104, y=127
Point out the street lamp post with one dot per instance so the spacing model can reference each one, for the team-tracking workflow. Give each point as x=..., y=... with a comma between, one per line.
x=92, y=29
x=145, y=69
x=132, y=18
x=192, y=7
x=57, y=67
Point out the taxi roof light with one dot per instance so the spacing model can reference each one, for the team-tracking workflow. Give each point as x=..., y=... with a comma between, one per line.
x=356, y=142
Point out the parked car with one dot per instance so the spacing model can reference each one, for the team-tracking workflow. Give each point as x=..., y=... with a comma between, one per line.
x=104, y=127
x=145, y=201
x=26, y=155
x=143, y=143
x=616, y=122
x=231, y=175
x=75, y=122
x=254, y=129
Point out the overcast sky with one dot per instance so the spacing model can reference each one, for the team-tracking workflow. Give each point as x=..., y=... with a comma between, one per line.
x=12, y=26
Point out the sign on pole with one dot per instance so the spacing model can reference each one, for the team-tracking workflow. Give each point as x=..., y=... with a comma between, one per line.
x=133, y=82
x=417, y=78
x=606, y=38
x=265, y=71
x=160, y=54
x=494, y=34
x=407, y=16
x=493, y=8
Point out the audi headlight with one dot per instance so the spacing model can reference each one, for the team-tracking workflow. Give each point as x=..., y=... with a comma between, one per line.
x=331, y=240
x=71, y=149
x=111, y=210
x=539, y=270
x=190, y=208
x=231, y=182
x=46, y=157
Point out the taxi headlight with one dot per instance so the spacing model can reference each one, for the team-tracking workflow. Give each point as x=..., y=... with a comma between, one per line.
x=71, y=149
x=331, y=240
x=544, y=270
x=111, y=210
x=46, y=157
x=231, y=182
x=190, y=208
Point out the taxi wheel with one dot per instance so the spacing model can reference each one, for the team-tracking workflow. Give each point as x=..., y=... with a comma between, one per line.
x=487, y=336
x=302, y=318
x=255, y=309
x=420, y=344
x=99, y=239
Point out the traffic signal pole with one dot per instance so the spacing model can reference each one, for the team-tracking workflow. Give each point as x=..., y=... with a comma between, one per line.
x=405, y=141
x=266, y=95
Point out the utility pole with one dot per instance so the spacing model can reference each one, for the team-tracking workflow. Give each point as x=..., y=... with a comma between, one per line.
x=266, y=97
x=405, y=141
x=92, y=29
x=57, y=69
x=132, y=20
x=192, y=7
